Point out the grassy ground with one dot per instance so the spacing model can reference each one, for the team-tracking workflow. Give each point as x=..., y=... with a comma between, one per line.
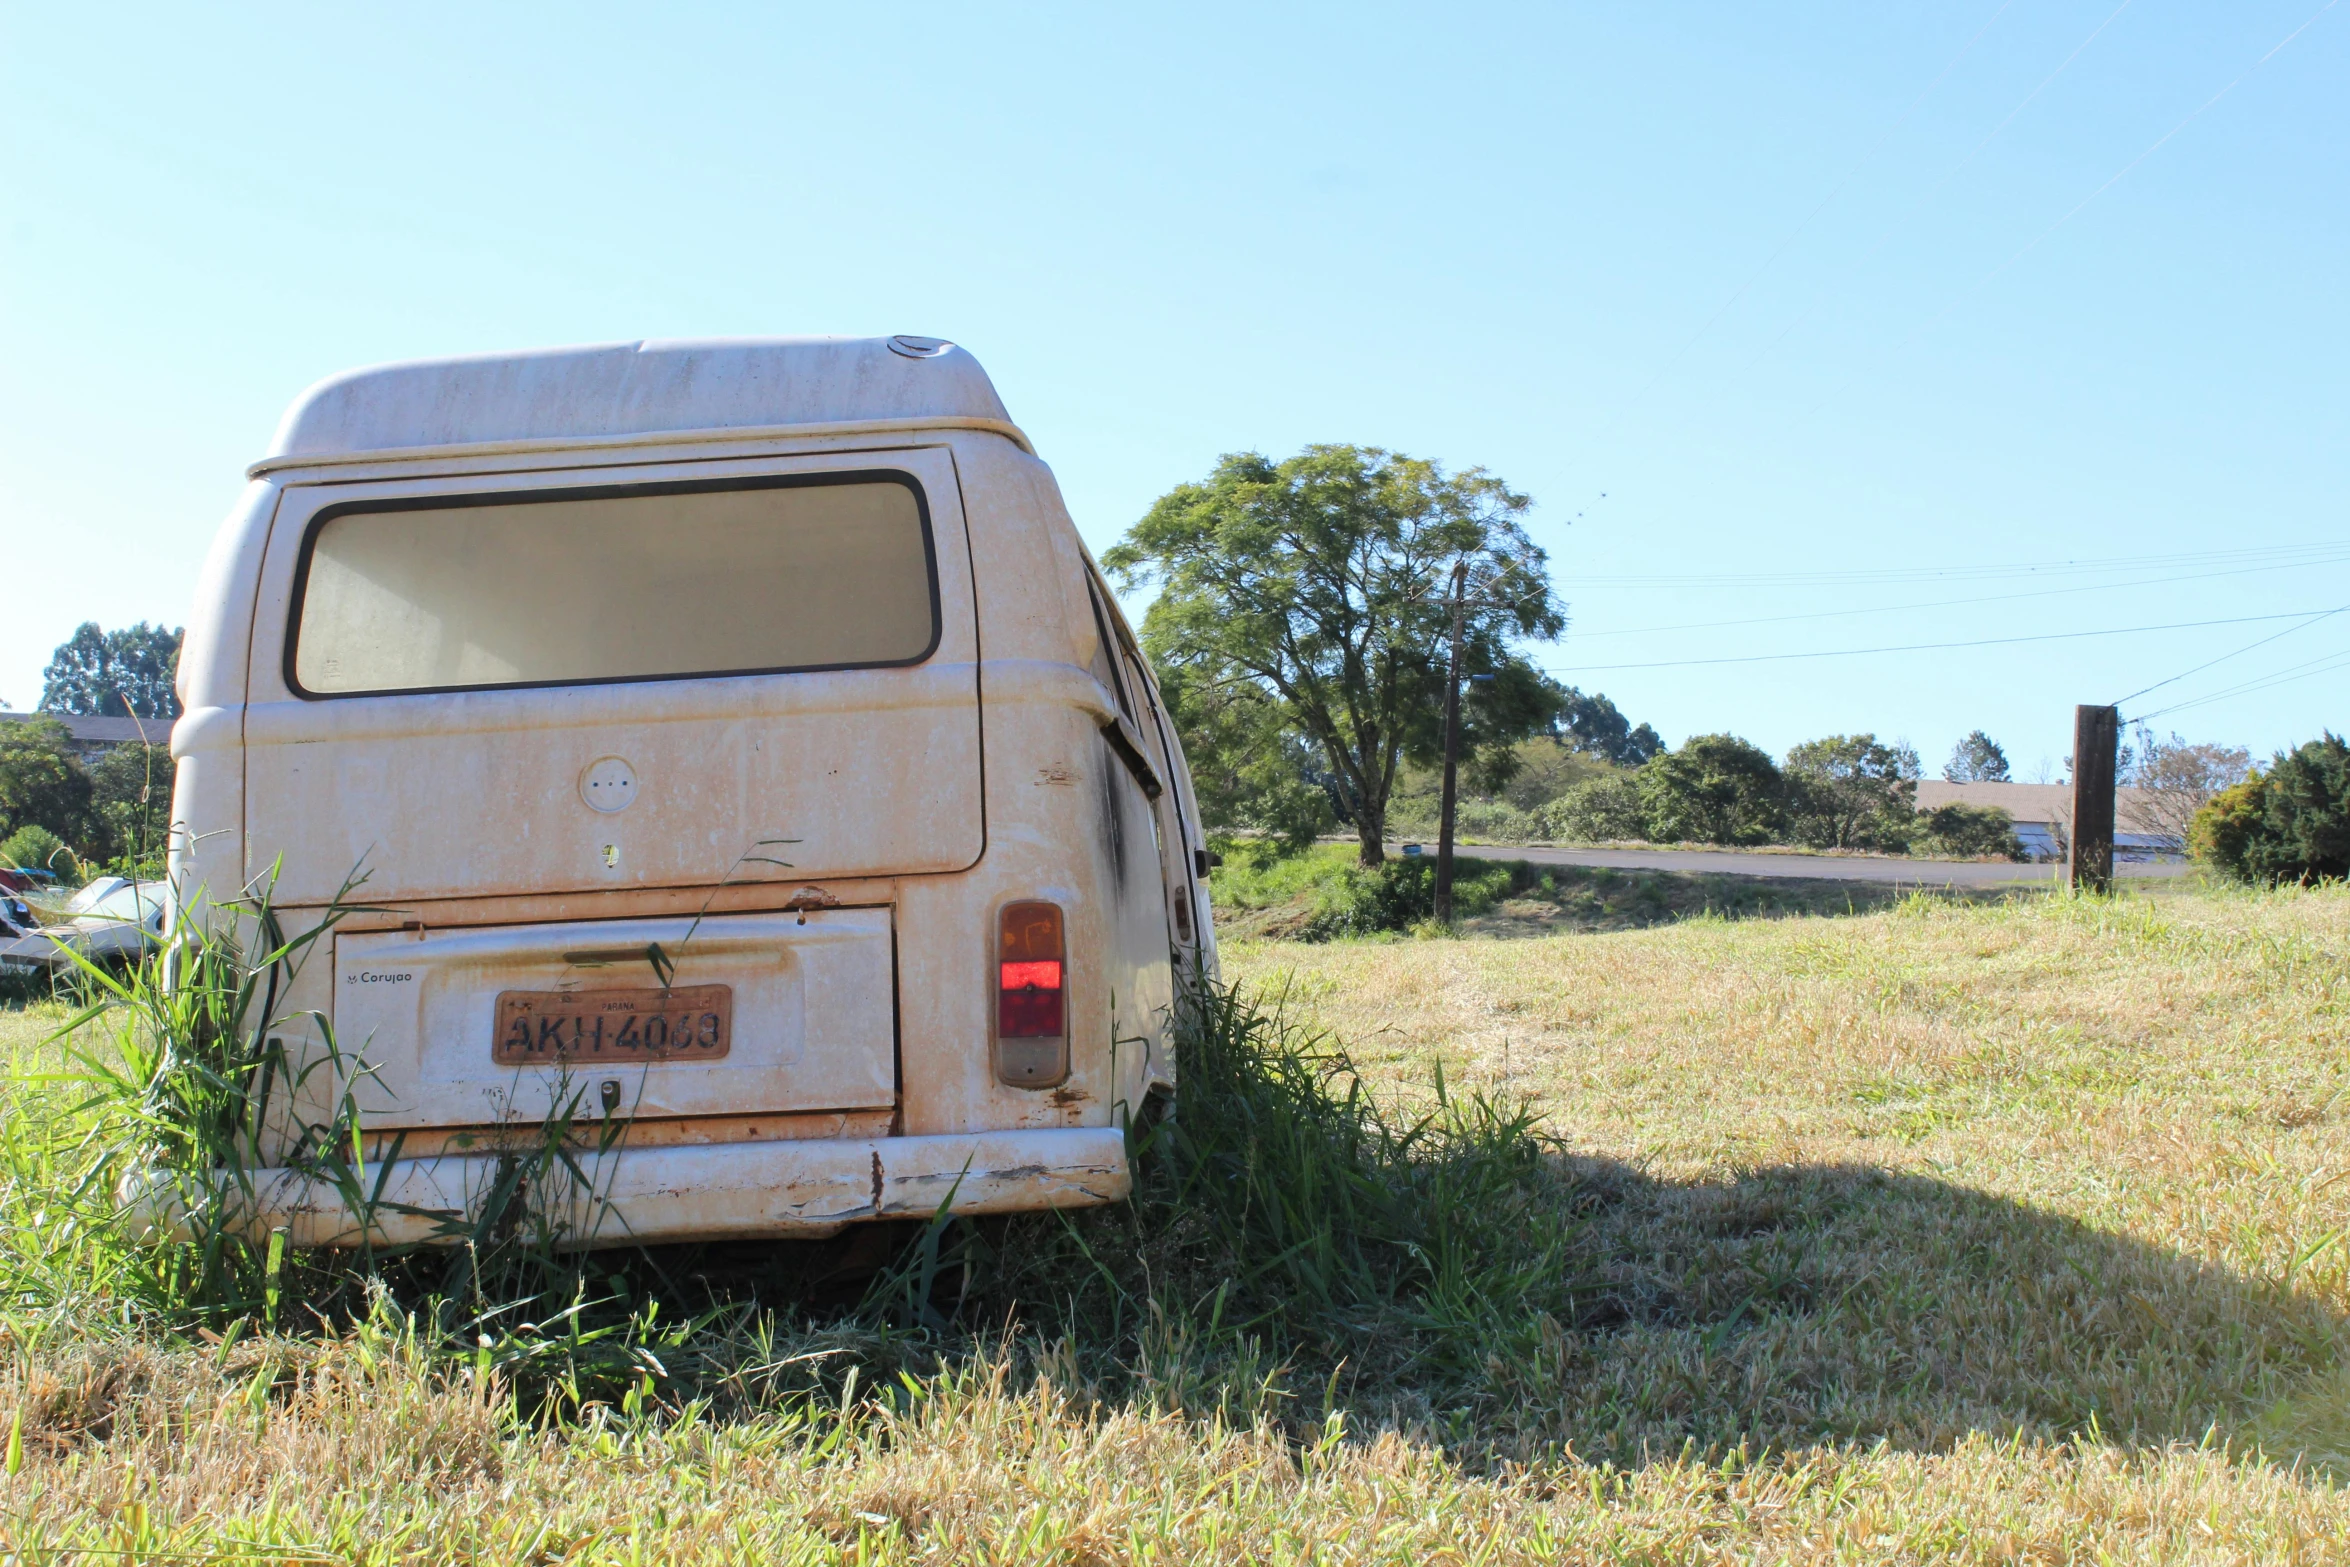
x=1984, y=1231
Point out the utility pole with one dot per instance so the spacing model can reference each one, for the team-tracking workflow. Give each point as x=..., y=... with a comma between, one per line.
x=2096, y=737
x=1452, y=743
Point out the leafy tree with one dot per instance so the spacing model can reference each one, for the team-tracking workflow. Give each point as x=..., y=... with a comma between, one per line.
x=1320, y=581
x=1249, y=771
x=1595, y=725
x=1548, y=768
x=2177, y=778
x=1599, y=810
x=130, y=800
x=1714, y=789
x=2291, y=823
x=1976, y=759
x=114, y=674
x=1852, y=791
x=42, y=783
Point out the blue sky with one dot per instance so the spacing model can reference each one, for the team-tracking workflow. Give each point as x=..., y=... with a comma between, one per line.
x=1840, y=308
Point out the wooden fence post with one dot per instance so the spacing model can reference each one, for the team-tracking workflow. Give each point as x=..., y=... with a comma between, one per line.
x=2096, y=738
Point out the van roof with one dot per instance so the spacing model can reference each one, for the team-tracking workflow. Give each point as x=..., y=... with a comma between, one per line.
x=641, y=388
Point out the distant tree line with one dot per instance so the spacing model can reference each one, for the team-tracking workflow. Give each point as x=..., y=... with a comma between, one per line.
x=1841, y=792
x=60, y=814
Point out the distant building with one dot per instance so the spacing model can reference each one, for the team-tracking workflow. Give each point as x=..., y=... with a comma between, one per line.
x=2043, y=816
x=94, y=737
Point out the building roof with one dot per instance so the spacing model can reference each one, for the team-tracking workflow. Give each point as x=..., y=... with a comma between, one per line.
x=103, y=731
x=2035, y=802
x=629, y=389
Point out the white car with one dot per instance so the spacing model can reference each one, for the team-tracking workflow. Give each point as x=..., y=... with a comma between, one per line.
x=115, y=927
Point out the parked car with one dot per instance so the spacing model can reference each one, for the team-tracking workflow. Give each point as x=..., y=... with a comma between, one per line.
x=114, y=928
x=740, y=743
x=16, y=916
x=93, y=892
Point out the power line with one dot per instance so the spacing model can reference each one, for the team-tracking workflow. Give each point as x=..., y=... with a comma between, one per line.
x=1805, y=222
x=1996, y=598
x=1923, y=647
x=1952, y=172
x=2277, y=554
x=2240, y=652
x=1987, y=278
x=2323, y=664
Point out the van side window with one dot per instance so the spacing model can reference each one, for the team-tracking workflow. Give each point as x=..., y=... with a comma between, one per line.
x=647, y=582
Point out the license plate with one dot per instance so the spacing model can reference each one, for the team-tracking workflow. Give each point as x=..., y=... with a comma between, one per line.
x=543, y=1027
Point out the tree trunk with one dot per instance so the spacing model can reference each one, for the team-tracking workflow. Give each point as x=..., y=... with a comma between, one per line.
x=1371, y=830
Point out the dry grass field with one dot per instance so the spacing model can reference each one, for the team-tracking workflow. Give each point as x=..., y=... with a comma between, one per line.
x=1979, y=1232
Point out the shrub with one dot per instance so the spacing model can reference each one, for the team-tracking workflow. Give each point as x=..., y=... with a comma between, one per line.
x=1547, y=769
x=2291, y=823
x=1492, y=821
x=37, y=849
x=1714, y=789
x=1967, y=832
x=2221, y=832
x=1310, y=1212
x=1851, y=792
x=1602, y=810
x=1496, y=821
x=1398, y=894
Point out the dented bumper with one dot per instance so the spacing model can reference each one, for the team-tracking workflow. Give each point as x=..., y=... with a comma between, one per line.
x=783, y=1190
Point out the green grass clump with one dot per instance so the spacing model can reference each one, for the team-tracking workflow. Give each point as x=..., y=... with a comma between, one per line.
x=1328, y=894
x=1287, y=1217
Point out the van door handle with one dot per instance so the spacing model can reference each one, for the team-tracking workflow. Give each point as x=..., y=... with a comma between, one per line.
x=1124, y=741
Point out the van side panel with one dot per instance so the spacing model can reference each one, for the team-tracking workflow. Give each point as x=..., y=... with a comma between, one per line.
x=1067, y=821
x=208, y=784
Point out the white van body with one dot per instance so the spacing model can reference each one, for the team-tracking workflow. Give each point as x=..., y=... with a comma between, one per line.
x=779, y=658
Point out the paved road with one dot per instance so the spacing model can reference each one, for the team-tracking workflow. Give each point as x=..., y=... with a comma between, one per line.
x=1826, y=867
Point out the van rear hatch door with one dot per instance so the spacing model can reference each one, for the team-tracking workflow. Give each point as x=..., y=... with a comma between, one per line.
x=740, y=1014
x=672, y=675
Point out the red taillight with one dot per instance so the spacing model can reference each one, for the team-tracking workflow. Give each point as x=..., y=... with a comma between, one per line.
x=1029, y=994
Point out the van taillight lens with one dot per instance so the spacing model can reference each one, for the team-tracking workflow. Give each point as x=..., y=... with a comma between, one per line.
x=1029, y=997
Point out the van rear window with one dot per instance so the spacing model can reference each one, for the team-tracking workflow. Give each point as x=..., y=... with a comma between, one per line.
x=644, y=583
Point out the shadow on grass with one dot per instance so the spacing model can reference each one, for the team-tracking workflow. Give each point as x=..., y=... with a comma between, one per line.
x=1328, y=896
x=1549, y=900
x=1456, y=1274
x=1805, y=1304
x=1793, y=1307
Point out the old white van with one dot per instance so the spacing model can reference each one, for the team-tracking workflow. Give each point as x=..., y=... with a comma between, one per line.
x=740, y=744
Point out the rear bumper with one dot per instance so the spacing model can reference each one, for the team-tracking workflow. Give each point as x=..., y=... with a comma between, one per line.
x=720, y=1191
